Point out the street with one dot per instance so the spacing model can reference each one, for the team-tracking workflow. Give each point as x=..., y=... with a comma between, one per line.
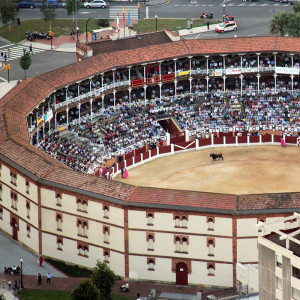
x=252, y=18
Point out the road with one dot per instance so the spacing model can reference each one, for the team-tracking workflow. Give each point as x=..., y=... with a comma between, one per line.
x=253, y=19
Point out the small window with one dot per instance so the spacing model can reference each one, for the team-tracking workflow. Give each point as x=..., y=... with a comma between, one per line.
x=79, y=205
x=58, y=199
x=151, y=264
x=59, y=222
x=177, y=244
x=80, y=228
x=28, y=230
x=210, y=223
x=296, y=294
x=106, y=212
x=85, y=251
x=211, y=248
x=28, y=209
x=80, y=250
x=27, y=187
x=150, y=242
x=85, y=228
x=177, y=221
x=0, y=192
x=0, y=169
x=106, y=235
x=150, y=219
x=59, y=244
x=279, y=261
x=279, y=283
x=296, y=272
x=184, y=245
x=84, y=206
x=211, y=270
x=1, y=214
x=13, y=178
x=106, y=257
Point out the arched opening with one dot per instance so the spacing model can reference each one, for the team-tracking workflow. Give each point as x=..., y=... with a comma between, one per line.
x=181, y=274
x=14, y=226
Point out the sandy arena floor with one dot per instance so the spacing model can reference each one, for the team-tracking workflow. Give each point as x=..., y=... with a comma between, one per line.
x=245, y=170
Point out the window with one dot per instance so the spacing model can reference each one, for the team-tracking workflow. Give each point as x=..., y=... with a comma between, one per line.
x=80, y=250
x=296, y=272
x=181, y=244
x=79, y=205
x=28, y=230
x=150, y=242
x=58, y=199
x=106, y=212
x=84, y=206
x=149, y=219
x=211, y=269
x=151, y=264
x=85, y=228
x=177, y=244
x=180, y=222
x=106, y=256
x=279, y=283
x=184, y=245
x=210, y=224
x=106, y=235
x=211, y=247
x=27, y=187
x=279, y=261
x=0, y=192
x=0, y=169
x=85, y=251
x=80, y=228
x=13, y=178
x=14, y=200
x=59, y=243
x=1, y=213
x=261, y=220
x=59, y=222
x=28, y=209
x=295, y=294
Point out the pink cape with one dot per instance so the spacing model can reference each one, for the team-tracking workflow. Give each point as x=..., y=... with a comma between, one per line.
x=282, y=142
x=126, y=174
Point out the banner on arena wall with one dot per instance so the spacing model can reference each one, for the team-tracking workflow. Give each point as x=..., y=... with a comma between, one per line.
x=216, y=72
x=49, y=115
x=232, y=71
x=183, y=73
x=284, y=70
x=249, y=70
x=62, y=128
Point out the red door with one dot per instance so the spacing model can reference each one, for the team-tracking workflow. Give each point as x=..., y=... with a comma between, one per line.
x=14, y=226
x=181, y=274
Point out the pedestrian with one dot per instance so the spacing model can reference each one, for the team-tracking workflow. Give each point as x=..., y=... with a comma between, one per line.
x=18, y=21
x=30, y=49
x=5, y=57
x=49, y=276
x=207, y=24
x=138, y=296
x=39, y=279
x=9, y=285
x=122, y=172
x=8, y=53
x=73, y=34
x=41, y=261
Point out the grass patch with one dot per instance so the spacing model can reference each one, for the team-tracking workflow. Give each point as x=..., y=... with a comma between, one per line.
x=59, y=27
x=28, y=294
x=70, y=270
x=149, y=25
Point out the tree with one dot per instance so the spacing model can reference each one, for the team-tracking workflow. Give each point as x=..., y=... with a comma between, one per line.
x=104, y=278
x=48, y=12
x=294, y=25
x=71, y=6
x=86, y=290
x=296, y=7
x=8, y=12
x=25, y=61
x=279, y=23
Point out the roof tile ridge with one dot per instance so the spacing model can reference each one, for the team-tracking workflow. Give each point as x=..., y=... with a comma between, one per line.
x=131, y=193
x=186, y=46
x=104, y=56
x=48, y=172
x=3, y=140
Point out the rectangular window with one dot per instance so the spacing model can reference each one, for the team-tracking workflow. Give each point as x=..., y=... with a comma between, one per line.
x=13, y=178
x=296, y=294
x=58, y=199
x=0, y=192
x=27, y=187
x=279, y=283
x=296, y=272
x=279, y=261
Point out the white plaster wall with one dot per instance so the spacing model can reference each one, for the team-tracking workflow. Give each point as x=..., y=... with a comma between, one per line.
x=223, y=274
x=116, y=238
x=247, y=250
x=5, y=222
x=33, y=241
x=162, y=269
x=246, y=227
x=6, y=200
x=5, y=175
x=165, y=221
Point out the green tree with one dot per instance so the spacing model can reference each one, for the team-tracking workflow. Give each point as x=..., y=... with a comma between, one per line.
x=25, y=61
x=296, y=7
x=104, y=278
x=8, y=12
x=86, y=290
x=279, y=24
x=294, y=25
x=48, y=12
x=71, y=6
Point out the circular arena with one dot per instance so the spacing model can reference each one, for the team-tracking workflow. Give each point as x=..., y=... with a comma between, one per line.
x=244, y=170
x=66, y=135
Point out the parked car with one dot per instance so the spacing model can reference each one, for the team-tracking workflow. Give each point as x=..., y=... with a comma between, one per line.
x=26, y=4
x=226, y=26
x=50, y=3
x=95, y=4
x=63, y=4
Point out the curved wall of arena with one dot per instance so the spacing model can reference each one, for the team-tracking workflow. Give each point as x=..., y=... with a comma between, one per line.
x=142, y=233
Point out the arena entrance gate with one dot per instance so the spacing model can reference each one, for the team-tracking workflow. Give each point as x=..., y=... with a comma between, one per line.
x=181, y=274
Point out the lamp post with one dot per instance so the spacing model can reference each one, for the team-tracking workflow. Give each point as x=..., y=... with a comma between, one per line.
x=77, y=32
x=21, y=261
x=224, y=12
x=155, y=22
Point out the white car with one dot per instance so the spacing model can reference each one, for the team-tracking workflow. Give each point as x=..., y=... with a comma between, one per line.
x=226, y=26
x=95, y=4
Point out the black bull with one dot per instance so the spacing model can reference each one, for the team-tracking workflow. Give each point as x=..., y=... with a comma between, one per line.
x=215, y=156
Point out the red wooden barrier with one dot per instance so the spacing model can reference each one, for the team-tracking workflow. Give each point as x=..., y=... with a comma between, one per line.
x=277, y=138
x=165, y=149
x=137, y=82
x=140, y=150
x=129, y=162
x=242, y=139
x=138, y=158
x=145, y=155
x=254, y=139
x=266, y=138
x=218, y=140
x=204, y=142
x=167, y=77
x=291, y=139
x=128, y=155
x=153, y=152
x=230, y=140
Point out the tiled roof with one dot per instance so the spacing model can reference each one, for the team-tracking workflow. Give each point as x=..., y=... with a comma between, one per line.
x=14, y=140
x=269, y=201
x=139, y=41
x=170, y=197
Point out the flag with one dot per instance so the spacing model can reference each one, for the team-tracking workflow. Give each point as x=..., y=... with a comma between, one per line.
x=124, y=22
x=128, y=20
x=118, y=23
x=40, y=120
